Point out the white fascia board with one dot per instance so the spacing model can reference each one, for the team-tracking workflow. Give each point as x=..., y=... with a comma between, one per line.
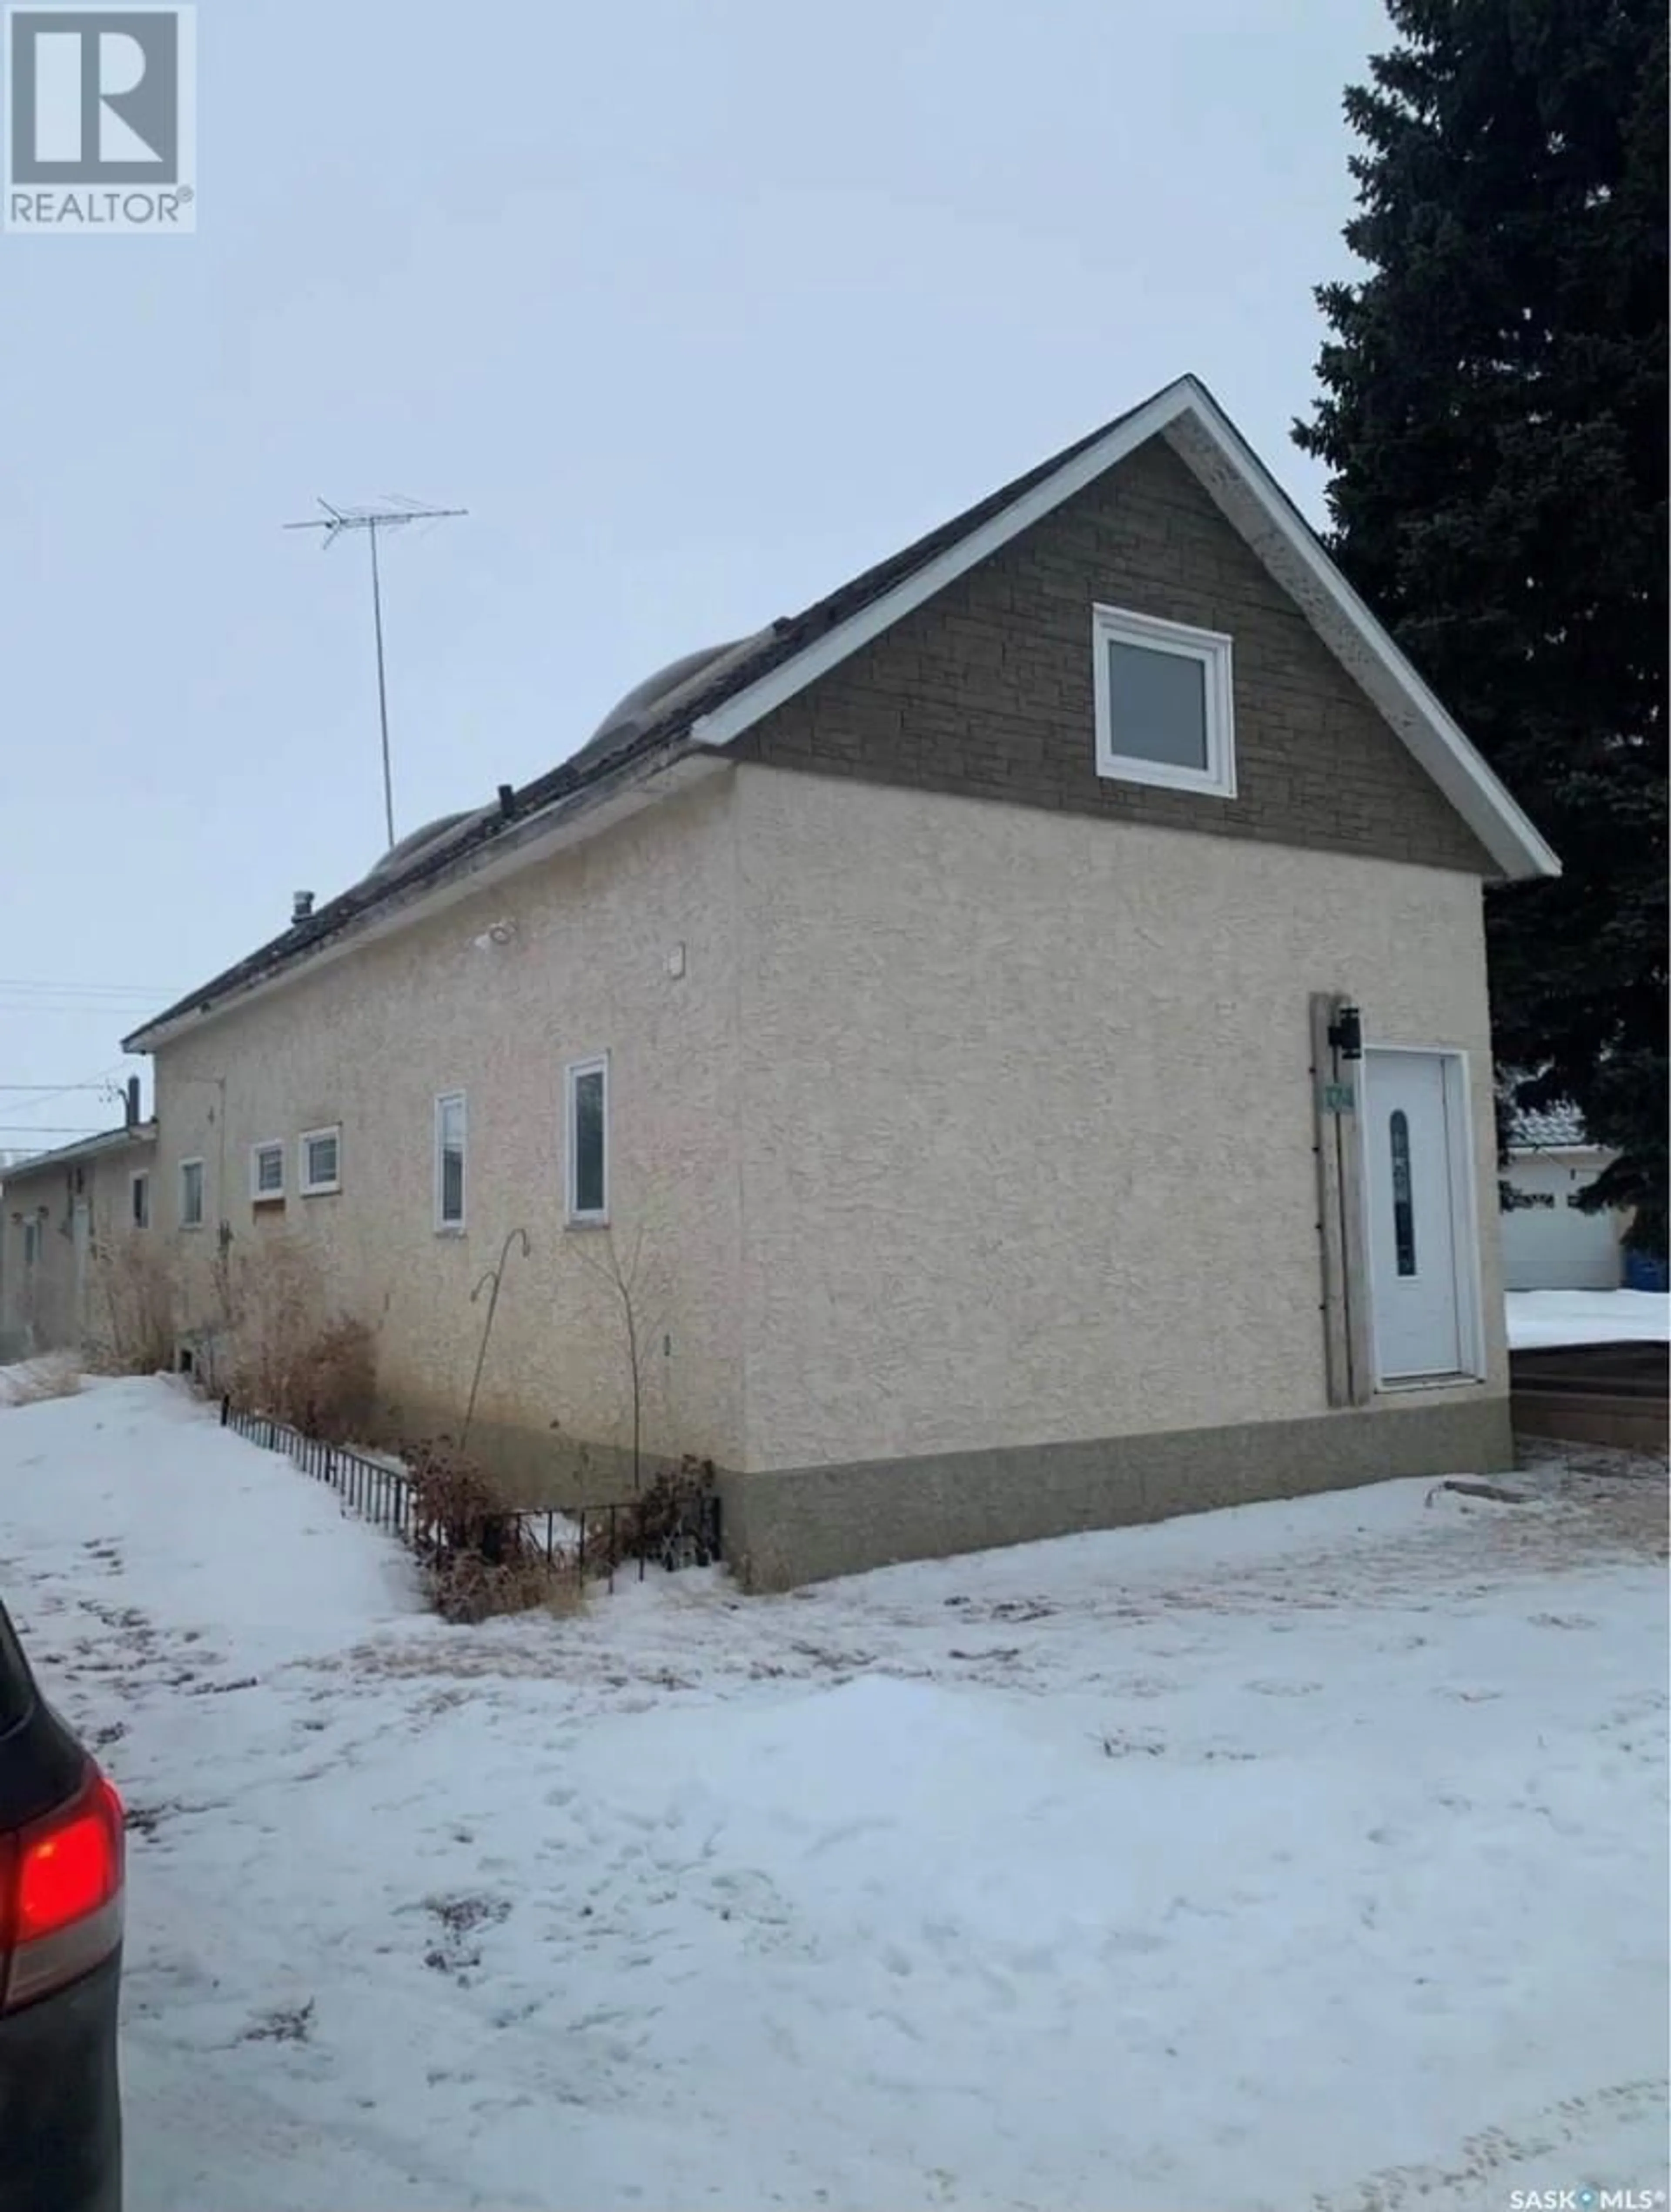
x=566, y=822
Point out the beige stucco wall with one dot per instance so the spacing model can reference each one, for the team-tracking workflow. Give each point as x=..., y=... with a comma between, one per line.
x=369, y=1042
x=1028, y=1121
x=966, y=1126
x=51, y=1305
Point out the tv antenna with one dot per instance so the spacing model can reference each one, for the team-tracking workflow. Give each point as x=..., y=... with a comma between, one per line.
x=396, y=515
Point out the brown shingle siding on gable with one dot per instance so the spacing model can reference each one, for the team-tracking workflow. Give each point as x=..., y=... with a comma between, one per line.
x=986, y=690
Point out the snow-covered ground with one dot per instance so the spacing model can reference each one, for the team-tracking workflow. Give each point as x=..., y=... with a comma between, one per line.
x=1307, y=1856
x=1586, y=1316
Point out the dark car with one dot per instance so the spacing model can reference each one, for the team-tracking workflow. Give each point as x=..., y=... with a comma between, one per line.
x=61, y=1875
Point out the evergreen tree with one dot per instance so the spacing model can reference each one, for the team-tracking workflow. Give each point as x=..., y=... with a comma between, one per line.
x=1494, y=415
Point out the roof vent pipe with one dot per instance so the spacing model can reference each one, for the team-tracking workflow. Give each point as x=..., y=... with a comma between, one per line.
x=301, y=906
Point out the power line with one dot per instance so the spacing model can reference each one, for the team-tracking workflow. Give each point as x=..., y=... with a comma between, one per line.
x=45, y=1129
x=63, y=984
x=107, y=1079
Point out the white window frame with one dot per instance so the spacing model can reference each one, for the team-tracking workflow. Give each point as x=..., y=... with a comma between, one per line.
x=137, y=1177
x=443, y=1100
x=1212, y=649
x=202, y=1195
x=595, y=1218
x=266, y=1148
x=305, y=1183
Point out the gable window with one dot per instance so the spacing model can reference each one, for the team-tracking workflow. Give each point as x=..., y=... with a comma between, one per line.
x=1163, y=704
x=267, y=1171
x=139, y=1199
x=588, y=1173
x=321, y=1153
x=450, y=1160
x=191, y=1193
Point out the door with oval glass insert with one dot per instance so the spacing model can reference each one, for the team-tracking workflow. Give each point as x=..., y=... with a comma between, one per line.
x=1413, y=1225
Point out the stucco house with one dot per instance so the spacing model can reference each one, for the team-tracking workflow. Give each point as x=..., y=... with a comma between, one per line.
x=56, y=1210
x=1024, y=1018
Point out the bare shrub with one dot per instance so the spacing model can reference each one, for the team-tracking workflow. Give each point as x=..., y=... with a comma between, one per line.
x=478, y=1558
x=290, y=1358
x=463, y=1587
x=133, y=1305
x=670, y=1523
x=637, y=1292
x=58, y=1374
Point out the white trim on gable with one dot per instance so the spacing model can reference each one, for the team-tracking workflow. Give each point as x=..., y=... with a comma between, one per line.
x=1267, y=519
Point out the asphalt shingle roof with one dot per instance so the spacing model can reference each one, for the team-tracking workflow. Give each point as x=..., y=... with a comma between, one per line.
x=599, y=759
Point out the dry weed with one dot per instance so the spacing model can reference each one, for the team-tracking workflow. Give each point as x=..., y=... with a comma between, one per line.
x=133, y=1300
x=58, y=1374
x=289, y=1358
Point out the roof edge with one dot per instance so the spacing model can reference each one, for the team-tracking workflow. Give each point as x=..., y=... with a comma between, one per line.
x=1483, y=802
x=135, y=1136
x=706, y=717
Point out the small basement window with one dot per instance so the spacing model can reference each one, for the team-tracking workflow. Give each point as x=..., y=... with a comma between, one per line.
x=139, y=1199
x=1163, y=704
x=450, y=1161
x=267, y=1171
x=321, y=1162
x=191, y=1193
x=588, y=1141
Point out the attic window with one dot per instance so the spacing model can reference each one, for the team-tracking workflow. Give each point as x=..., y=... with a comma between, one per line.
x=1163, y=704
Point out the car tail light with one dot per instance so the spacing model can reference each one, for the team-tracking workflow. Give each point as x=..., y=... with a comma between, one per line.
x=61, y=1894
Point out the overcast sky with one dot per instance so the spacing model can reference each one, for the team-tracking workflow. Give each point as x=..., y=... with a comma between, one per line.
x=699, y=309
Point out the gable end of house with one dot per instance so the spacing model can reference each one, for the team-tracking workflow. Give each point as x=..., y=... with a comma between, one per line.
x=987, y=689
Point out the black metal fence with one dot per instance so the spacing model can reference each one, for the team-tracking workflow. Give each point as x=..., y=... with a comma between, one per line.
x=657, y=1529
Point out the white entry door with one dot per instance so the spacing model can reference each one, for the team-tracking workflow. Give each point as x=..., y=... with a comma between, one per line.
x=1417, y=1227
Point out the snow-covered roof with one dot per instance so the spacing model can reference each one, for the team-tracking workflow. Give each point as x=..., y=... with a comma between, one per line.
x=1548, y=1128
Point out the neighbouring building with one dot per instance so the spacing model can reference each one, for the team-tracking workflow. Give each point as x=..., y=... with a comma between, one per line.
x=57, y=1211
x=1021, y=1023
x=1549, y=1242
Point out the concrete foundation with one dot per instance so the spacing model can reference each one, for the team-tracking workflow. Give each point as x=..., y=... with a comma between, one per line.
x=806, y=1524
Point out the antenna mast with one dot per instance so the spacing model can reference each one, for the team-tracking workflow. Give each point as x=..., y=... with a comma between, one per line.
x=334, y=522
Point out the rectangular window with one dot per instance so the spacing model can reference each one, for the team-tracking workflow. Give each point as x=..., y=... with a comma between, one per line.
x=267, y=1171
x=588, y=1140
x=31, y=1243
x=321, y=1162
x=191, y=1193
x=139, y=1200
x=450, y=1160
x=1163, y=704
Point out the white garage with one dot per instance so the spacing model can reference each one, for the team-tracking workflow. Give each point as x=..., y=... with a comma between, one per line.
x=1549, y=1244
